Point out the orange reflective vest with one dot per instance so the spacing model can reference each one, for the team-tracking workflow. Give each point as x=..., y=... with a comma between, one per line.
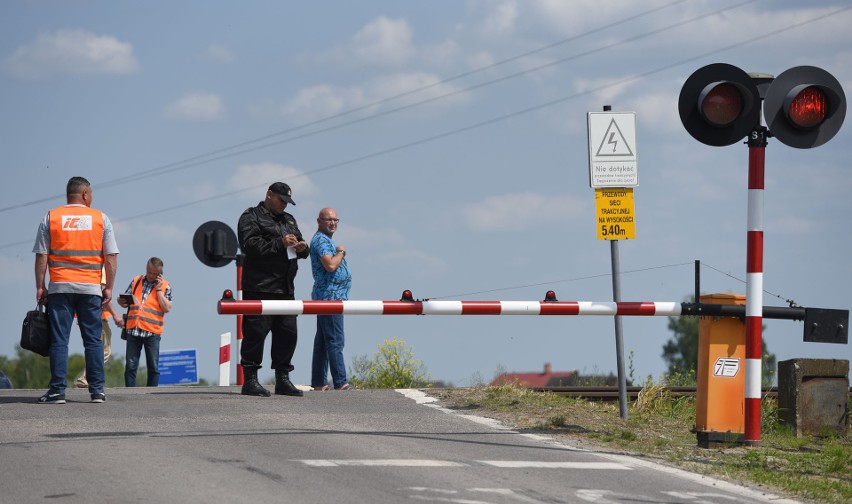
x=149, y=316
x=76, y=252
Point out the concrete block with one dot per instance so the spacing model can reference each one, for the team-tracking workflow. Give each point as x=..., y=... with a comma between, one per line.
x=813, y=396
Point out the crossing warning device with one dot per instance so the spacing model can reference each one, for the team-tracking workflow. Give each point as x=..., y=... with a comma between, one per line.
x=612, y=149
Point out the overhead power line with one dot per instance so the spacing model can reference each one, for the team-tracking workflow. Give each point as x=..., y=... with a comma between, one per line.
x=220, y=154
x=517, y=113
x=495, y=119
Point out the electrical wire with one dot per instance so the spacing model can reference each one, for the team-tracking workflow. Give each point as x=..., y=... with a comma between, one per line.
x=504, y=117
x=482, y=123
x=564, y=280
x=215, y=155
x=602, y=275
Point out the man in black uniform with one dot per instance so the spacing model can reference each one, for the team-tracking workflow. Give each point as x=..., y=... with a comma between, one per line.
x=272, y=244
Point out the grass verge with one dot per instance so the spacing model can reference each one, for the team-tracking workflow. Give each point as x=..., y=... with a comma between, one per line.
x=658, y=427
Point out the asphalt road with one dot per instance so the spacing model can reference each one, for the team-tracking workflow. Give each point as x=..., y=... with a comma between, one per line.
x=212, y=445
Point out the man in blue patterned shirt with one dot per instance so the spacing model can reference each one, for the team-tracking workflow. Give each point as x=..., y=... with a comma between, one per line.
x=332, y=280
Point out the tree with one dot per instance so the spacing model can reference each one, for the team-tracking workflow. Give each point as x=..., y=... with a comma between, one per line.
x=32, y=371
x=393, y=366
x=29, y=370
x=681, y=352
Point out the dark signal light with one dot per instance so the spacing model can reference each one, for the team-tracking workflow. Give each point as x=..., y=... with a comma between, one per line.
x=550, y=297
x=719, y=104
x=228, y=295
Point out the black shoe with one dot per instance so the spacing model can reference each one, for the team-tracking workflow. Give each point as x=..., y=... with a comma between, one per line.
x=52, y=398
x=283, y=385
x=98, y=397
x=251, y=386
x=254, y=388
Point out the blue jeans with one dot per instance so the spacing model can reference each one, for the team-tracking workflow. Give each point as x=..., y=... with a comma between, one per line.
x=152, y=359
x=61, y=308
x=328, y=352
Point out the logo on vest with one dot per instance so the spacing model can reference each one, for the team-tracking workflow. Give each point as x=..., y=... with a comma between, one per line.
x=76, y=222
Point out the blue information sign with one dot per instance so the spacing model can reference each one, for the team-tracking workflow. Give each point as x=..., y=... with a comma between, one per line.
x=178, y=367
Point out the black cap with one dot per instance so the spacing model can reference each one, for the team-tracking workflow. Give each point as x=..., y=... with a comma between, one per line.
x=283, y=191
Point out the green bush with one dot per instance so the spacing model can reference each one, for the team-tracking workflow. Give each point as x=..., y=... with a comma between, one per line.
x=393, y=366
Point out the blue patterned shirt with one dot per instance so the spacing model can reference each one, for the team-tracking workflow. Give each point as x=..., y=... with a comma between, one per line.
x=328, y=285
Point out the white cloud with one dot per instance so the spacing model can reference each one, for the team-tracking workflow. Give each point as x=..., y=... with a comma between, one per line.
x=219, y=53
x=261, y=175
x=501, y=20
x=656, y=110
x=526, y=210
x=608, y=89
x=199, y=106
x=326, y=100
x=383, y=42
x=323, y=100
x=71, y=52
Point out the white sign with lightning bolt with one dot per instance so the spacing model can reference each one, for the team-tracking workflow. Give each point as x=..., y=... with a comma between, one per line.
x=612, y=149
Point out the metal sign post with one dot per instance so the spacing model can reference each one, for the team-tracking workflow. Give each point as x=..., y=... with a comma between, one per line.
x=612, y=170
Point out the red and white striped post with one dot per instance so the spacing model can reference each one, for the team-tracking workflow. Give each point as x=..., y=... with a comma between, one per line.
x=225, y=359
x=754, y=284
x=239, y=320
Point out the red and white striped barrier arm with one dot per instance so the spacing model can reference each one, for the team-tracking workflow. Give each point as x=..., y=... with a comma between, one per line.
x=299, y=307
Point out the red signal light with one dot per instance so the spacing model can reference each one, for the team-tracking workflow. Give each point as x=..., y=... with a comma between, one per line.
x=808, y=106
x=720, y=103
x=407, y=296
x=228, y=295
x=550, y=297
x=804, y=107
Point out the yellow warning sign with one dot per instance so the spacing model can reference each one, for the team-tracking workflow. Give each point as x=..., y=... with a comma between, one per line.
x=615, y=213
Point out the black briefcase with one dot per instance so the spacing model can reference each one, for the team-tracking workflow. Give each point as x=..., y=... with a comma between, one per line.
x=35, y=332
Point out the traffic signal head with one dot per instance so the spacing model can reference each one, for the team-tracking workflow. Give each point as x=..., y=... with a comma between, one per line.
x=804, y=107
x=719, y=104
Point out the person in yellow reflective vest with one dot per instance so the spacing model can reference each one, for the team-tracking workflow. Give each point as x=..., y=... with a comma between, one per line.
x=152, y=299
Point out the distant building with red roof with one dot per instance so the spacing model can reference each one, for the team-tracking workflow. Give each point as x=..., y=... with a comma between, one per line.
x=547, y=378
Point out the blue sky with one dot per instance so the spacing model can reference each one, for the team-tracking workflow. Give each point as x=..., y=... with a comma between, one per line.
x=451, y=138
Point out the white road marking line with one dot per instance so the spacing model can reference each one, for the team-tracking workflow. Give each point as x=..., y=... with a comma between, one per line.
x=513, y=464
x=383, y=463
x=503, y=464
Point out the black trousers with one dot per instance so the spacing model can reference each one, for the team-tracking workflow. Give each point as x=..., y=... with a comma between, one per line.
x=256, y=327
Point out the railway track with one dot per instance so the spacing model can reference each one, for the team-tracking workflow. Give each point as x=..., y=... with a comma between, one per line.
x=611, y=393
